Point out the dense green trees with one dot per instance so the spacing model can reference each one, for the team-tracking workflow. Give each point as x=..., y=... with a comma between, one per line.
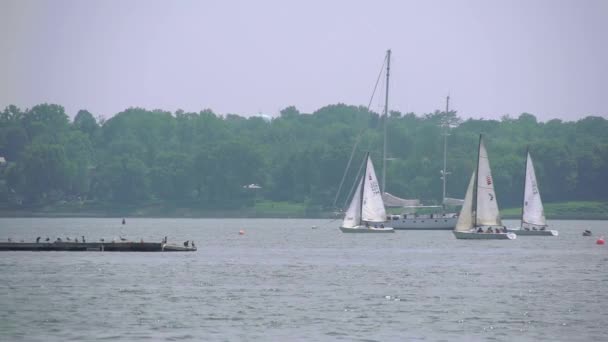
x=204, y=160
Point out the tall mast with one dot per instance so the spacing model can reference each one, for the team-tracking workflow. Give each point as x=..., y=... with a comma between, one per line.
x=363, y=189
x=444, y=173
x=523, y=204
x=388, y=69
x=476, y=185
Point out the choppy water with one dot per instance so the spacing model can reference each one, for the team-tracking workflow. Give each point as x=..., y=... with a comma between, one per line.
x=283, y=281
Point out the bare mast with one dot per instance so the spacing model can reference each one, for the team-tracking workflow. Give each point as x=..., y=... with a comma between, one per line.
x=388, y=69
x=444, y=172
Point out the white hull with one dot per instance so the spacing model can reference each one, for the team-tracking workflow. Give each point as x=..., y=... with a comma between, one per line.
x=484, y=236
x=534, y=232
x=364, y=229
x=440, y=223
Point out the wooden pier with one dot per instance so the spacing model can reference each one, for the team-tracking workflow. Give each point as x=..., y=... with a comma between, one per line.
x=67, y=246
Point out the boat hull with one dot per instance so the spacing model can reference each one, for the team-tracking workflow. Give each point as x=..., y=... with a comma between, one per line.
x=424, y=223
x=364, y=229
x=484, y=236
x=523, y=232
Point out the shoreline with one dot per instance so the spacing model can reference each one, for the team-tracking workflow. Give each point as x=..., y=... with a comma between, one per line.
x=47, y=214
x=584, y=210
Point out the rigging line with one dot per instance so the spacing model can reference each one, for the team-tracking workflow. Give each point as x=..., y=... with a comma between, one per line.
x=352, y=189
x=359, y=136
x=328, y=222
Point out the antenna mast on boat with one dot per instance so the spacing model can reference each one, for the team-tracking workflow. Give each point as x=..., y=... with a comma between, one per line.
x=388, y=69
x=446, y=125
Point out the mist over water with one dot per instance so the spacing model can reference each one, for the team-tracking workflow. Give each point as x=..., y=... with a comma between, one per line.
x=282, y=280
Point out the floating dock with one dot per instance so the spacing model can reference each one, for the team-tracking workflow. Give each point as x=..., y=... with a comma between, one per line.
x=67, y=246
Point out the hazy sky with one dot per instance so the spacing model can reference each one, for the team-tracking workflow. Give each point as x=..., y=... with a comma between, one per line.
x=546, y=57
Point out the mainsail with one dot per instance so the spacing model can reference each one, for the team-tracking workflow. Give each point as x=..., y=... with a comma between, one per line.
x=393, y=201
x=465, y=219
x=487, y=213
x=372, y=209
x=533, y=212
x=366, y=204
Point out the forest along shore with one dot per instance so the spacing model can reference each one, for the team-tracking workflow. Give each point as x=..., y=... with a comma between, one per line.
x=155, y=163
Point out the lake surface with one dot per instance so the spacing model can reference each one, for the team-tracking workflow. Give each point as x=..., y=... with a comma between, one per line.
x=283, y=281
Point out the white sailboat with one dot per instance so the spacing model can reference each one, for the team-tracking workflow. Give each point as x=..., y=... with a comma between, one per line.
x=533, y=221
x=366, y=213
x=479, y=217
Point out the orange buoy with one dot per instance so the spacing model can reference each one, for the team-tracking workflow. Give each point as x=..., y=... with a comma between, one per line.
x=241, y=232
x=600, y=241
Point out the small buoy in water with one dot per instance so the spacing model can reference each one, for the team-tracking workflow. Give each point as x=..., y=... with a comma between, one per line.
x=600, y=241
x=241, y=232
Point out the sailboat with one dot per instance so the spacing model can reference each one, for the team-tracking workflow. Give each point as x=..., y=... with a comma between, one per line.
x=366, y=213
x=479, y=217
x=533, y=220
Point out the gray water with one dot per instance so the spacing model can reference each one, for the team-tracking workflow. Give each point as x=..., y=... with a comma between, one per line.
x=283, y=281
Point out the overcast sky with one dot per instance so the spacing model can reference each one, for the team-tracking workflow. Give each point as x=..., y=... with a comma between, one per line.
x=546, y=57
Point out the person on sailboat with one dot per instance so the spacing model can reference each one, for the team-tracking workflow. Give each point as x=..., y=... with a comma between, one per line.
x=489, y=230
x=480, y=230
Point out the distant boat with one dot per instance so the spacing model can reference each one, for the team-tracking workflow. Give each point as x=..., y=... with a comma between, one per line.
x=439, y=219
x=366, y=212
x=480, y=217
x=533, y=220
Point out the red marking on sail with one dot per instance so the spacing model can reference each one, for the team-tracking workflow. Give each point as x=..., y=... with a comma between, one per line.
x=489, y=180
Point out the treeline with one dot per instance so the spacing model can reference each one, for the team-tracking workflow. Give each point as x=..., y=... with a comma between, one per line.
x=203, y=160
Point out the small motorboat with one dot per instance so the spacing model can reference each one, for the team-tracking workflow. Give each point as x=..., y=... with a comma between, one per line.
x=587, y=232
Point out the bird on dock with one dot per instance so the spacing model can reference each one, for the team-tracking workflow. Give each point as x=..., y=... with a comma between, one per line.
x=67, y=238
x=38, y=239
x=122, y=239
x=47, y=239
x=83, y=239
x=102, y=240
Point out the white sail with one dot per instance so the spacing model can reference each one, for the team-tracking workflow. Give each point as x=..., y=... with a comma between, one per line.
x=393, y=201
x=465, y=219
x=352, y=217
x=373, y=206
x=533, y=212
x=487, y=205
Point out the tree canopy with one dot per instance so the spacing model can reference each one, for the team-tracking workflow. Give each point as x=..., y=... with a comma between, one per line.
x=206, y=160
